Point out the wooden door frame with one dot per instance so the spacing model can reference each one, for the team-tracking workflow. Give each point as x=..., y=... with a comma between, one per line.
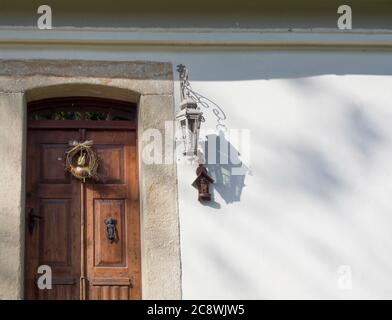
x=81, y=105
x=150, y=85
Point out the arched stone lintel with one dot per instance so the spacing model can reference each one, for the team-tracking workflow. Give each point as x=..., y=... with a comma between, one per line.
x=81, y=90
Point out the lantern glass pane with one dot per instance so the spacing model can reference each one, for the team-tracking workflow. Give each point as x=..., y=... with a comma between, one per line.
x=183, y=128
x=191, y=124
x=194, y=142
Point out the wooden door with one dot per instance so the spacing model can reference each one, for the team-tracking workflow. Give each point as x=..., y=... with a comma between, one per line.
x=53, y=211
x=66, y=220
x=113, y=269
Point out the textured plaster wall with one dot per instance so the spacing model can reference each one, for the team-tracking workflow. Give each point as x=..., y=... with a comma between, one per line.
x=12, y=137
x=161, y=266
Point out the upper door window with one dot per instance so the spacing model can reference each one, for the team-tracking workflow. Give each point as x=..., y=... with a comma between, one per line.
x=82, y=109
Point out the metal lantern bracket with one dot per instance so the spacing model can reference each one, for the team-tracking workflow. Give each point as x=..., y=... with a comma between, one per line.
x=189, y=117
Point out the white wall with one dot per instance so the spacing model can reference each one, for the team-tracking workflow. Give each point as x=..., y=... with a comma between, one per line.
x=317, y=197
x=317, y=193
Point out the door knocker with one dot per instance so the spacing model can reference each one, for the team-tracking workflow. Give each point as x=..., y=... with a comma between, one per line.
x=110, y=229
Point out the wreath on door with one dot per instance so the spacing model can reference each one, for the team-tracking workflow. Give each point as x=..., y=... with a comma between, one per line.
x=81, y=160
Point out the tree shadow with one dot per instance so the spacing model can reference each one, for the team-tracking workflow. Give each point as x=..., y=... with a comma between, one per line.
x=224, y=165
x=314, y=173
x=363, y=133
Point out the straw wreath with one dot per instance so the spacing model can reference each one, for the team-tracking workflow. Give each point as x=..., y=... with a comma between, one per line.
x=81, y=160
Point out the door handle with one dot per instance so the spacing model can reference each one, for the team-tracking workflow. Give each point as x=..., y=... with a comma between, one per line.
x=32, y=218
x=110, y=229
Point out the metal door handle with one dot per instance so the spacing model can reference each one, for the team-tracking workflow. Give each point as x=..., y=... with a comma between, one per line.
x=32, y=217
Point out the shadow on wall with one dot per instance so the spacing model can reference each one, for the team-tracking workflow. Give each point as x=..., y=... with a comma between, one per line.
x=286, y=64
x=224, y=165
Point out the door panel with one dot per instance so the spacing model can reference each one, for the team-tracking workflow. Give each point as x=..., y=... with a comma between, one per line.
x=111, y=167
x=107, y=253
x=52, y=164
x=54, y=232
x=113, y=267
x=55, y=198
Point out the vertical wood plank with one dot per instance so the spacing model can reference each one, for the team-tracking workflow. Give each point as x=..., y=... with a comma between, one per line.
x=115, y=292
x=68, y=292
x=94, y=293
x=124, y=293
x=105, y=293
x=60, y=292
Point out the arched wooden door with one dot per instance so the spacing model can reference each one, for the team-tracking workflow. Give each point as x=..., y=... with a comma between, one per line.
x=66, y=219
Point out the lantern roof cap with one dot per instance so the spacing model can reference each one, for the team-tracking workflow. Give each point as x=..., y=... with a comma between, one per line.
x=189, y=109
x=188, y=103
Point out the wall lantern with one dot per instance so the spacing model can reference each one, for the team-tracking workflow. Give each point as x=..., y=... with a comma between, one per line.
x=189, y=117
x=202, y=183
